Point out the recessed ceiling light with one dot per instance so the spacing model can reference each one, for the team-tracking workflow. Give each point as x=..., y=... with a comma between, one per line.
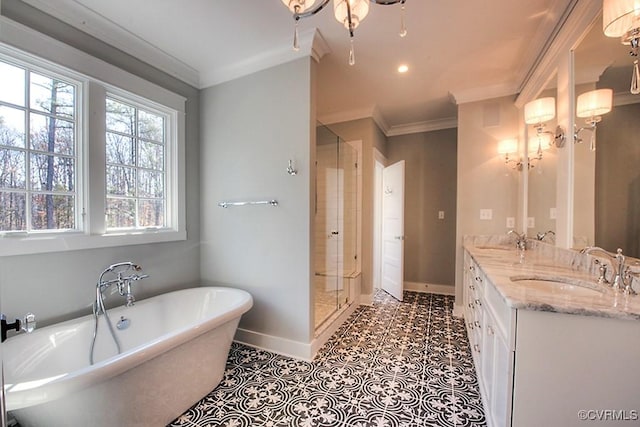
x=403, y=68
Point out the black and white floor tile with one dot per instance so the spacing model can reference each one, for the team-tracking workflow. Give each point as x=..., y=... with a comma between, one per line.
x=392, y=364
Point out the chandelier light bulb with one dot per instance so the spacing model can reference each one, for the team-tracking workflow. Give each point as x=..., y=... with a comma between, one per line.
x=298, y=6
x=359, y=10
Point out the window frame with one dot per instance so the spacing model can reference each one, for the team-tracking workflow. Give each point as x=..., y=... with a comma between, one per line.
x=78, y=120
x=98, y=78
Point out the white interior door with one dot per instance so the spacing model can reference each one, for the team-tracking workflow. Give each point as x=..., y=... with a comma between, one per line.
x=393, y=229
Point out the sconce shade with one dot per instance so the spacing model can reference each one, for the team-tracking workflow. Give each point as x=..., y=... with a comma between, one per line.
x=302, y=5
x=539, y=110
x=542, y=141
x=508, y=146
x=359, y=9
x=620, y=16
x=594, y=103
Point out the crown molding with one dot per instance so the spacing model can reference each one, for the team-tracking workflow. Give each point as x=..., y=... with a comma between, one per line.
x=425, y=126
x=580, y=17
x=625, y=98
x=311, y=44
x=373, y=112
x=555, y=18
x=347, y=116
x=92, y=23
x=483, y=93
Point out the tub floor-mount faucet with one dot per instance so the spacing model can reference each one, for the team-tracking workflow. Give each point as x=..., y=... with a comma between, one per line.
x=123, y=274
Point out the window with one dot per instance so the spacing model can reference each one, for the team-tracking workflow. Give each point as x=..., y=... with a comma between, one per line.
x=38, y=150
x=135, y=152
x=90, y=155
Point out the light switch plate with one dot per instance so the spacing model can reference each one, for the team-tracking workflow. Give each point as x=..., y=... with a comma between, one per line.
x=552, y=213
x=511, y=222
x=440, y=214
x=486, y=214
x=531, y=222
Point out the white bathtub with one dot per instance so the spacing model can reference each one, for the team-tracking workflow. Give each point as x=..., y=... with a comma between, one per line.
x=173, y=353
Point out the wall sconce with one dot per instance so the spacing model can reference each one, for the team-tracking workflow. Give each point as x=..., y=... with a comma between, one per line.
x=538, y=112
x=509, y=146
x=536, y=145
x=621, y=18
x=590, y=106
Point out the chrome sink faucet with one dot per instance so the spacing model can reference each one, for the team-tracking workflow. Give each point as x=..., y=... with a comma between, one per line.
x=622, y=274
x=540, y=236
x=521, y=243
x=521, y=240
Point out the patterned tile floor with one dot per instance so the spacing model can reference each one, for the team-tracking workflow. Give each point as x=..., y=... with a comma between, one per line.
x=391, y=364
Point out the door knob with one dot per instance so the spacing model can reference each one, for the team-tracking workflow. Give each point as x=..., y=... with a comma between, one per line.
x=399, y=237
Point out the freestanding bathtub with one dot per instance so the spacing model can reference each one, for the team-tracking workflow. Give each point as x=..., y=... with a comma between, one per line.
x=174, y=352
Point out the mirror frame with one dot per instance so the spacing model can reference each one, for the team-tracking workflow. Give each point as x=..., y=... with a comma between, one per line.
x=558, y=60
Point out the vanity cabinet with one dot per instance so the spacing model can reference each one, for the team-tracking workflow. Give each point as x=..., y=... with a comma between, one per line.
x=540, y=367
x=490, y=327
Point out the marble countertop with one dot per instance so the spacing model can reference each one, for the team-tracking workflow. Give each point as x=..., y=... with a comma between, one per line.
x=557, y=281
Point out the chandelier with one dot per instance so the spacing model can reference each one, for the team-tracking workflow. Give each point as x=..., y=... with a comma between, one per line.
x=348, y=12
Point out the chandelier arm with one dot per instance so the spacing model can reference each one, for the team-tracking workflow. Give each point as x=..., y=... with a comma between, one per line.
x=387, y=2
x=311, y=12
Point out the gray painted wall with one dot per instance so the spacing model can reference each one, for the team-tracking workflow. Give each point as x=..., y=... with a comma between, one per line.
x=251, y=127
x=483, y=180
x=617, y=183
x=372, y=137
x=58, y=286
x=430, y=186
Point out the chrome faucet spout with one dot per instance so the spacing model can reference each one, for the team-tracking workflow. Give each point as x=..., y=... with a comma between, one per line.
x=540, y=236
x=521, y=240
x=622, y=276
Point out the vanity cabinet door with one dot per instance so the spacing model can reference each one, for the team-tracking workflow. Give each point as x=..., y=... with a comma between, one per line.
x=496, y=372
x=486, y=373
x=500, y=405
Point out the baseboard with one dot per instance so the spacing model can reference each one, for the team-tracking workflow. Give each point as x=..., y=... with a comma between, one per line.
x=430, y=288
x=331, y=329
x=458, y=310
x=283, y=346
x=365, y=299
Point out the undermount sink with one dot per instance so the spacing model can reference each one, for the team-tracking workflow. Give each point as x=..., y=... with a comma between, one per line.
x=555, y=284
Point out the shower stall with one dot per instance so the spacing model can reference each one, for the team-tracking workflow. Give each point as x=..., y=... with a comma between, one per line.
x=336, y=266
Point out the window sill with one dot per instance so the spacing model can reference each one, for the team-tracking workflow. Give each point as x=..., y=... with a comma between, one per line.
x=29, y=245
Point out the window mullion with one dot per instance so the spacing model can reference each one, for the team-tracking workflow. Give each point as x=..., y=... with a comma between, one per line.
x=27, y=145
x=95, y=159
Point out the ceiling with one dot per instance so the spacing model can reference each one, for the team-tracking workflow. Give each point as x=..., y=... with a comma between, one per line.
x=457, y=51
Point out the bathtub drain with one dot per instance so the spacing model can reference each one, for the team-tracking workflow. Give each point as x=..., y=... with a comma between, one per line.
x=123, y=323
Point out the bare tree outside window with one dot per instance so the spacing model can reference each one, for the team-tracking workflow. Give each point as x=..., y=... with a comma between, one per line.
x=37, y=151
x=135, y=178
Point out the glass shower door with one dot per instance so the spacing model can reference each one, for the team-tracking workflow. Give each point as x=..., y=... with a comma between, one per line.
x=347, y=220
x=335, y=224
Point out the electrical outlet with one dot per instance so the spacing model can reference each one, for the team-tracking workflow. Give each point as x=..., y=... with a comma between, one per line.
x=440, y=214
x=511, y=222
x=531, y=222
x=552, y=213
x=486, y=214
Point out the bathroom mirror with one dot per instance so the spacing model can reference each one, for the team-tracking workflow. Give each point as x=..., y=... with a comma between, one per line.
x=607, y=180
x=542, y=177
